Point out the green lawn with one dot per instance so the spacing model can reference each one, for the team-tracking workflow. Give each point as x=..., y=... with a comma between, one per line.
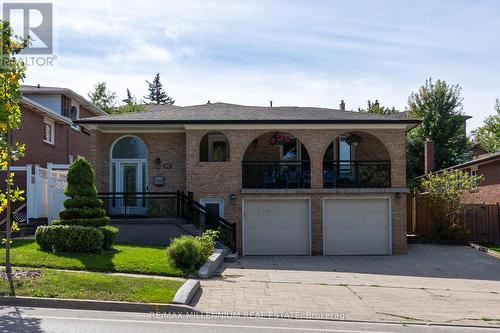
x=95, y=286
x=129, y=259
x=491, y=246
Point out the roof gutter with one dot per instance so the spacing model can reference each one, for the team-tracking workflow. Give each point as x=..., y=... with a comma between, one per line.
x=177, y=122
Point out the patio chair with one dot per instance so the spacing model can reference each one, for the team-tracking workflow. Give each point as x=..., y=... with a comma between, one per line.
x=292, y=179
x=270, y=179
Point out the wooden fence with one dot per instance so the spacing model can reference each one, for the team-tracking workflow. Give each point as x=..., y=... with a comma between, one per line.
x=482, y=220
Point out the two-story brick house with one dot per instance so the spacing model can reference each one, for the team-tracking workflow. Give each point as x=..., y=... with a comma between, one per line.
x=294, y=180
x=47, y=128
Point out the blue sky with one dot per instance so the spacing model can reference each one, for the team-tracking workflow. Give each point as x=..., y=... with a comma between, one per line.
x=292, y=52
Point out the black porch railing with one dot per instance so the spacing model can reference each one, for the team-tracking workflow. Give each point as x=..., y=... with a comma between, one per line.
x=145, y=205
x=350, y=174
x=195, y=213
x=140, y=204
x=276, y=174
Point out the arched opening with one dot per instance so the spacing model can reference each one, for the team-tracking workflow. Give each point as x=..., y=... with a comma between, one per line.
x=356, y=159
x=128, y=174
x=276, y=160
x=214, y=147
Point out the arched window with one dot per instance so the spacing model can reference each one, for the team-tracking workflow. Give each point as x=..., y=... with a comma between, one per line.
x=129, y=147
x=214, y=147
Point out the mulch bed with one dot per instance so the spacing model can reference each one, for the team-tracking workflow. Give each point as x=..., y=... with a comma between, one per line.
x=21, y=275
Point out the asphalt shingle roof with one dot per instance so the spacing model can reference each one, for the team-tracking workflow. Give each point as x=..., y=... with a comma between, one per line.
x=233, y=113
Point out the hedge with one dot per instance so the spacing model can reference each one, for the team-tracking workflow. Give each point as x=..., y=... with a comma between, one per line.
x=109, y=233
x=83, y=202
x=97, y=222
x=82, y=213
x=64, y=238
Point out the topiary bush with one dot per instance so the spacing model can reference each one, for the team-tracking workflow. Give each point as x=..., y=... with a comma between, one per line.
x=189, y=253
x=109, y=234
x=65, y=238
x=83, y=209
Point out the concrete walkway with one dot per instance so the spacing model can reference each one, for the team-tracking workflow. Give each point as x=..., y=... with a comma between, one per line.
x=452, y=284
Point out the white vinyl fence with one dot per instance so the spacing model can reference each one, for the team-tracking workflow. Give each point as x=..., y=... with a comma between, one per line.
x=44, y=195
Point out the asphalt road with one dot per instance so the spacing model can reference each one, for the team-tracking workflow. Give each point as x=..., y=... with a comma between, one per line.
x=28, y=320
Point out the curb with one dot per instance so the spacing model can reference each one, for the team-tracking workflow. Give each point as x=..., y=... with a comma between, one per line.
x=484, y=249
x=186, y=292
x=83, y=304
x=214, y=262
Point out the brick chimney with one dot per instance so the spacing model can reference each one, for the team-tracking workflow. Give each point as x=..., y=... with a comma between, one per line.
x=429, y=156
x=342, y=105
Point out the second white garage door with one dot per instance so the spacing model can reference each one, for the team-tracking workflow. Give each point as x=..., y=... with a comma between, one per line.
x=276, y=227
x=356, y=226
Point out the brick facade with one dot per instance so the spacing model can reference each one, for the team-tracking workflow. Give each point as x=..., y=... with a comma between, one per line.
x=221, y=179
x=488, y=191
x=67, y=140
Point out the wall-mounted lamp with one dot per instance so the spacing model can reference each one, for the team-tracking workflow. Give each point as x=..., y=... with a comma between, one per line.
x=157, y=163
x=398, y=195
x=232, y=196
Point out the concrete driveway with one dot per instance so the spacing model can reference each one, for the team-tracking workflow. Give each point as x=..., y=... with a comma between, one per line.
x=433, y=283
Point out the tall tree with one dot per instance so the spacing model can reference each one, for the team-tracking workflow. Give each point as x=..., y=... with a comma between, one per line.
x=488, y=135
x=375, y=107
x=130, y=99
x=439, y=107
x=157, y=93
x=102, y=97
x=11, y=73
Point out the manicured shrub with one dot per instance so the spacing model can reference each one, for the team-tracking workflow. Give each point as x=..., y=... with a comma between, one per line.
x=64, y=238
x=83, y=223
x=109, y=234
x=189, y=253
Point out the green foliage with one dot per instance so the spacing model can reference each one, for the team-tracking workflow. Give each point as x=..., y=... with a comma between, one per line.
x=64, y=238
x=439, y=106
x=102, y=97
x=89, y=222
x=127, y=108
x=109, y=234
x=157, y=93
x=445, y=190
x=83, y=210
x=80, y=180
x=129, y=99
x=375, y=107
x=83, y=202
x=488, y=135
x=189, y=253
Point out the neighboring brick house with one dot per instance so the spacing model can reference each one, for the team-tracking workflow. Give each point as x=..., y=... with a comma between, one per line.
x=488, y=166
x=294, y=180
x=47, y=127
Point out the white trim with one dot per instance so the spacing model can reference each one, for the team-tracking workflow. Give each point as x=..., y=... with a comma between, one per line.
x=293, y=126
x=274, y=198
x=219, y=201
x=52, y=124
x=389, y=198
x=44, y=110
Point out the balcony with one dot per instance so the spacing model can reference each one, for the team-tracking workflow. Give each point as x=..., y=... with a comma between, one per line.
x=356, y=174
x=276, y=174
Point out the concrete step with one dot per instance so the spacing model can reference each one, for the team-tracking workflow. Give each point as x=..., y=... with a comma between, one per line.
x=232, y=257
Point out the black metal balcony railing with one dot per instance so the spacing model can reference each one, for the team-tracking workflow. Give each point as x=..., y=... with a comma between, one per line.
x=349, y=174
x=276, y=174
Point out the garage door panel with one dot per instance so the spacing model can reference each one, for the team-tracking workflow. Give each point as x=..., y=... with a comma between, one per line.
x=276, y=227
x=356, y=226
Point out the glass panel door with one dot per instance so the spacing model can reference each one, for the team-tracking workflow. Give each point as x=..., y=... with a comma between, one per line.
x=345, y=152
x=130, y=179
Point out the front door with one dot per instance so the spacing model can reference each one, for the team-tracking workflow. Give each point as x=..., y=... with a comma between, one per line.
x=129, y=178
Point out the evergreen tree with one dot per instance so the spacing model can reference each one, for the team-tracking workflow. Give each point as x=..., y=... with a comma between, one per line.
x=129, y=100
x=439, y=107
x=102, y=97
x=375, y=107
x=157, y=93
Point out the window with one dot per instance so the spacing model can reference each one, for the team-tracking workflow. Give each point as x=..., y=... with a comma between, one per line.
x=214, y=147
x=473, y=173
x=130, y=147
x=74, y=114
x=49, y=135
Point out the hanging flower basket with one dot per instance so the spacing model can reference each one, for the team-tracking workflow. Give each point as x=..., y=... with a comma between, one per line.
x=353, y=139
x=279, y=139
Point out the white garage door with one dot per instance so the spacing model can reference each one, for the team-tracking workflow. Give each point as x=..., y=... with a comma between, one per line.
x=276, y=227
x=356, y=226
